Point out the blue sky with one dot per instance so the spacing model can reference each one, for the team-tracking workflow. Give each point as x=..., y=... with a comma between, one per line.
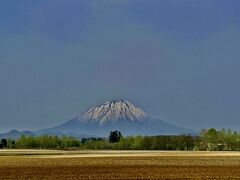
x=178, y=60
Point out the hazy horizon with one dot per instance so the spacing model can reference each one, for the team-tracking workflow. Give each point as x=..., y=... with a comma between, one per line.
x=177, y=60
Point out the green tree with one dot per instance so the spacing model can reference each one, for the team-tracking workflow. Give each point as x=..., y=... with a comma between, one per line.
x=11, y=143
x=115, y=136
x=4, y=142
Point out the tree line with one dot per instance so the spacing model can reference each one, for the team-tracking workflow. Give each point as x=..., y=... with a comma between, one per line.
x=207, y=140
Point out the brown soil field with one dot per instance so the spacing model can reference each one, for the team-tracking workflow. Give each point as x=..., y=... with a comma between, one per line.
x=39, y=164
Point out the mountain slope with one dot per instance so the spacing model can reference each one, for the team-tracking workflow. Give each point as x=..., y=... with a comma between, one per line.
x=121, y=115
x=15, y=134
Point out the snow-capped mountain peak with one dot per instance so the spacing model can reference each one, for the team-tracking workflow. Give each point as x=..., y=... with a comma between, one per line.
x=119, y=115
x=114, y=111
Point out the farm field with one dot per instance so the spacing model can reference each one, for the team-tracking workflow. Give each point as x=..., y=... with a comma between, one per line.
x=46, y=164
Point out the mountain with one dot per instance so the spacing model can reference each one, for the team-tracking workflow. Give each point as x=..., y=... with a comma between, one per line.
x=119, y=115
x=14, y=134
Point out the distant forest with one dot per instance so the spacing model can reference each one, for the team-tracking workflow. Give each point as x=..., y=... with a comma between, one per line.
x=207, y=140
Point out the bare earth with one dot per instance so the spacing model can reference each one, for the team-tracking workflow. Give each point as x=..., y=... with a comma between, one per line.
x=45, y=164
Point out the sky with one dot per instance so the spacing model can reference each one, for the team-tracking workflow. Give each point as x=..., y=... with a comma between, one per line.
x=178, y=60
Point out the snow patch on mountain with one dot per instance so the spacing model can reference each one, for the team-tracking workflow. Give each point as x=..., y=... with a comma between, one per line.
x=114, y=111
